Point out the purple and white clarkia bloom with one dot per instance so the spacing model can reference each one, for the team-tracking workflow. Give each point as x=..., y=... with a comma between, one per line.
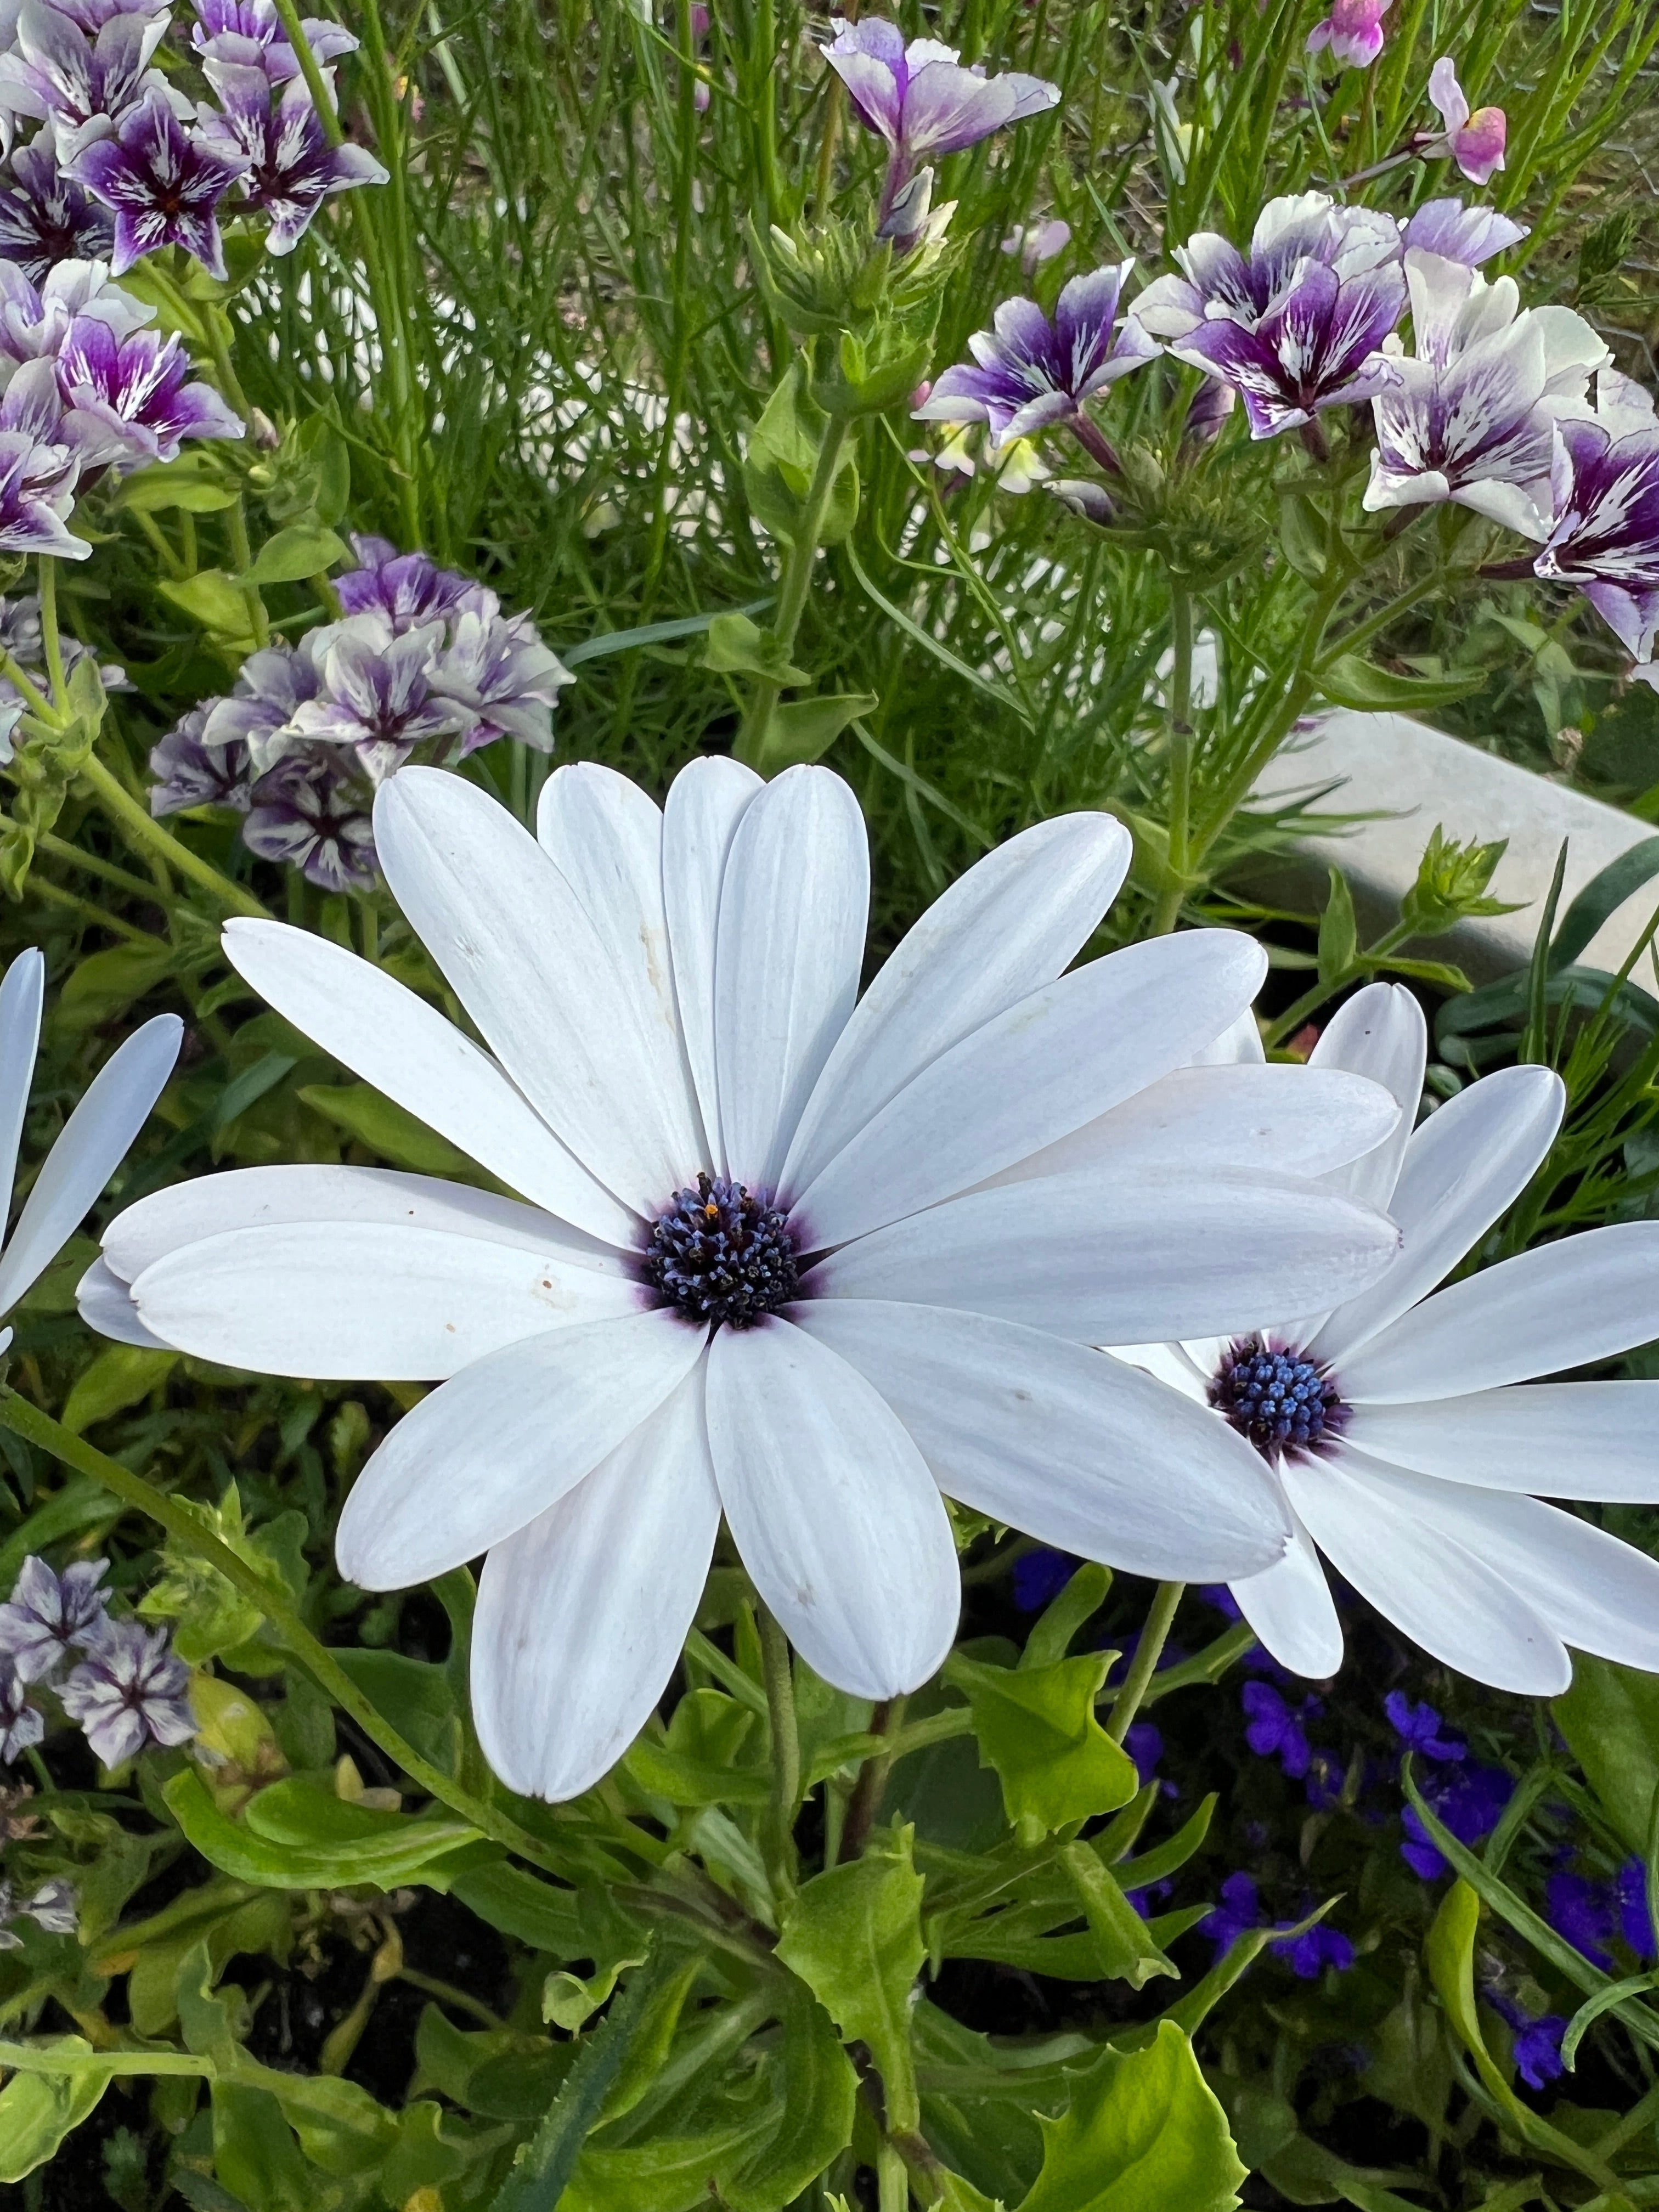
x=41, y=460
x=23, y=1723
x=1353, y=31
x=375, y=693
x=310, y=812
x=754, y=1265
x=1475, y=141
x=270, y=685
x=249, y=35
x=288, y=166
x=130, y=1690
x=505, y=682
x=1604, y=530
x=1470, y=414
x=164, y=185
x=1298, y=326
x=1032, y=374
x=920, y=100
x=35, y=321
x=189, y=772
x=1457, y=233
x=48, y=1616
x=81, y=88
x=1404, y=1425
x=140, y=391
x=45, y=217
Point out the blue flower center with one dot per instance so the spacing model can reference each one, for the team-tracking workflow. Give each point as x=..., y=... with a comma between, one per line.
x=719, y=1254
x=1281, y=1402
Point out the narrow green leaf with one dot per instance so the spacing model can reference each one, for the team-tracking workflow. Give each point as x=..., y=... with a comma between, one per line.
x=544, y=2165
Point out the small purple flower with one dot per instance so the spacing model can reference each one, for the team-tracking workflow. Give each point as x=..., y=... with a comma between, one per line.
x=1040, y=1577
x=1142, y=1901
x=277, y=137
x=1604, y=532
x=1144, y=1745
x=376, y=693
x=45, y=217
x=1475, y=141
x=1035, y=374
x=140, y=389
x=1238, y=1912
x=505, y=682
x=39, y=467
x=270, y=685
x=1326, y=1778
x=189, y=772
x=51, y=1907
x=1457, y=233
x=1583, y=1911
x=1419, y=1727
x=164, y=185
x=1630, y=1890
x=408, y=589
x=1317, y=1947
x=48, y=1615
x=1352, y=31
x=1468, y=1800
x=1274, y=1730
x=307, y=814
x=249, y=35
x=919, y=99
x=1038, y=244
x=22, y=1724
x=81, y=89
x=1537, y=2050
x=128, y=1691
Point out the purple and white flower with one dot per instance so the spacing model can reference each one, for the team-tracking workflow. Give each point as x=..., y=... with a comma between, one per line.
x=270, y=685
x=376, y=693
x=1352, y=31
x=1033, y=374
x=500, y=676
x=45, y=217
x=139, y=388
x=51, y=1907
x=48, y=1615
x=1470, y=416
x=189, y=772
x=407, y=588
x=22, y=1724
x=249, y=35
x=81, y=89
x=35, y=322
x=39, y=466
x=1298, y=326
x=1457, y=233
x=920, y=100
x=164, y=185
x=1039, y=243
x=1604, y=530
x=309, y=813
x=275, y=133
x=1475, y=141
x=130, y=1690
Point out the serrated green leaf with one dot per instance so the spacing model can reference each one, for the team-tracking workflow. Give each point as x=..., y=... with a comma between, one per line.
x=304, y=549
x=1036, y=1727
x=1144, y=2132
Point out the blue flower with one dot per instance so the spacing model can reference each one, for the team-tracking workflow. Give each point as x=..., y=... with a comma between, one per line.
x=1418, y=1729
x=1040, y=1577
x=1317, y=1947
x=1274, y=1730
x=1468, y=1800
x=1238, y=1912
x=1537, y=2043
x=1145, y=1747
x=1583, y=1911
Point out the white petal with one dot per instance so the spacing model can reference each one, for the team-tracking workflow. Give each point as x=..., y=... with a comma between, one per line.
x=92, y=1145
x=1465, y=1165
x=1292, y=1611
x=551, y=998
x=1596, y=1594
x=605, y=836
x=1239, y=1045
x=361, y=1301
x=1544, y=1312
x=105, y=1302
x=1595, y=1440
x=1165, y=1256
x=1053, y=1061
x=582, y=1616
x=381, y=1030
x=21, y=996
x=1004, y=929
x=1069, y=1445
x=1439, y=1593
x=792, y=911
x=706, y=802
x=832, y=1509
x=503, y=1441
x=1287, y=1120
x=1379, y=1033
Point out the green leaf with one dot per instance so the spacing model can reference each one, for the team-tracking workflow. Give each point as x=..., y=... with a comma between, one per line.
x=522, y=1906
x=1351, y=682
x=209, y=598
x=544, y=2166
x=415, y=1696
x=815, y=2096
x=1302, y=534
x=1036, y=1727
x=105, y=984
x=803, y=730
x=738, y=646
x=1143, y=2133
x=193, y=483
x=696, y=1762
x=1127, y=1953
x=1601, y=897
x=118, y=1377
x=304, y=549
x=1338, y=933
x=404, y=1851
x=37, y=2110
x=854, y=1936
x=1060, y=1620
x=389, y=1130
x=781, y=458
x=1610, y=1718
x=254, y=2153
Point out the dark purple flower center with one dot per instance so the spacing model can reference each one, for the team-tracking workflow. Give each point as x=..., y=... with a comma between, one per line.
x=1281, y=1402
x=719, y=1254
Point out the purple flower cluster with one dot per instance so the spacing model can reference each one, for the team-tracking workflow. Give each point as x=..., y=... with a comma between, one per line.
x=1537, y=2042
x=1466, y=1797
x=422, y=664
x=1592, y=1913
x=1604, y=526
x=125, y=161
x=1307, y=1954
x=126, y=1688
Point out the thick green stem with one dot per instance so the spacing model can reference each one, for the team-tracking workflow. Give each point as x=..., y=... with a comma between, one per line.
x=893, y=2181
x=54, y=645
x=27, y=1420
x=145, y=835
x=785, y=1755
x=872, y=1784
x=1144, y=1665
x=1180, y=747
x=750, y=747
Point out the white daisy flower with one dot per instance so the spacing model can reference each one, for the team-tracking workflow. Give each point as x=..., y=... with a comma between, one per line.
x=92, y=1142
x=784, y=1257
x=1404, y=1423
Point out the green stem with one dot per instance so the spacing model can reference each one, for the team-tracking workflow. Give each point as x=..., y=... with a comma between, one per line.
x=311, y=70
x=785, y=1754
x=1208, y=1665
x=144, y=833
x=21, y=681
x=446, y=1993
x=54, y=647
x=872, y=1784
x=750, y=747
x=1143, y=1666
x=892, y=2181
x=241, y=552
x=1167, y=909
x=27, y=1420
x=89, y=864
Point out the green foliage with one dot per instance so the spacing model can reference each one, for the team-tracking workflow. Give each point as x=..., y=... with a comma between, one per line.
x=1142, y=2133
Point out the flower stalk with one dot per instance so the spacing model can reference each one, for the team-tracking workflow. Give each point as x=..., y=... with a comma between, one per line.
x=1160, y=1617
x=751, y=748
x=785, y=1754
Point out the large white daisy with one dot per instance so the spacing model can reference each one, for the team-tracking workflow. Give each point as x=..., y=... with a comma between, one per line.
x=775, y=1254
x=1404, y=1423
